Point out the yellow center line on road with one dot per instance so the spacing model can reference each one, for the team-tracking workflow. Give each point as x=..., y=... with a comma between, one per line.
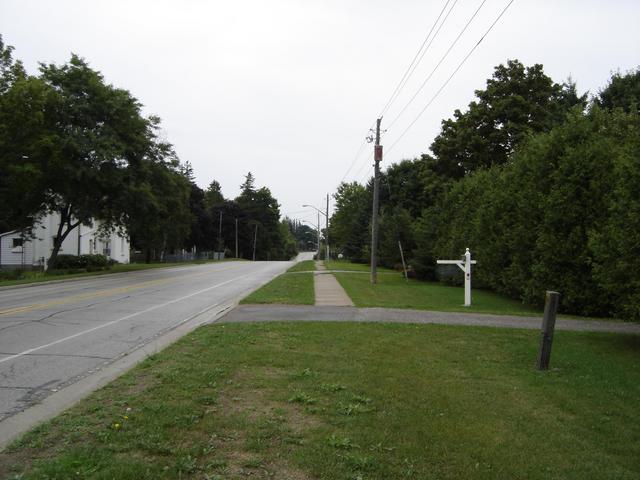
x=102, y=293
x=128, y=317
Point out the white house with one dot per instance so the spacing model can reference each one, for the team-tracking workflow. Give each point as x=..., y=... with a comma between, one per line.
x=28, y=252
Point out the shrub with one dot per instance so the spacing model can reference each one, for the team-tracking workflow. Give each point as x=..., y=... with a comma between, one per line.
x=80, y=263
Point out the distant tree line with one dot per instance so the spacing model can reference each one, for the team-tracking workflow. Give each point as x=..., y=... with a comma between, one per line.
x=256, y=214
x=541, y=183
x=73, y=145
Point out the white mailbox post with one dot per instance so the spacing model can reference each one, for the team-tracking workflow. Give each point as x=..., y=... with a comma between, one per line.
x=465, y=266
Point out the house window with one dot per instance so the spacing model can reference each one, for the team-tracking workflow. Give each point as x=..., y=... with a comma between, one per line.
x=16, y=245
x=106, y=251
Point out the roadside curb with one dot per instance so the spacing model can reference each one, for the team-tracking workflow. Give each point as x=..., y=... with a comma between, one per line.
x=15, y=425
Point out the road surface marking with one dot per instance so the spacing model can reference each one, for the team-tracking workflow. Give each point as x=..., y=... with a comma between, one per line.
x=102, y=293
x=126, y=317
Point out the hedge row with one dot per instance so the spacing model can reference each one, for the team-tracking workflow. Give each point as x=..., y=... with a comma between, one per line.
x=563, y=215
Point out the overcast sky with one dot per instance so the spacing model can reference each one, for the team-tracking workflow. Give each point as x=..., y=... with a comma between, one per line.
x=288, y=89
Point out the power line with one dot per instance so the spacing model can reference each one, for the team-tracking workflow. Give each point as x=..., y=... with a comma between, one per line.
x=413, y=65
x=405, y=78
x=453, y=44
x=355, y=159
x=359, y=172
x=451, y=76
x=367, y=174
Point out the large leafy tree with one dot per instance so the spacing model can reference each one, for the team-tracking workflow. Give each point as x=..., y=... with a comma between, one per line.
x=72, y=144
x=516, y=102
x=23, y=135
x=623, y=91
x=349, y=225
x=155, y=202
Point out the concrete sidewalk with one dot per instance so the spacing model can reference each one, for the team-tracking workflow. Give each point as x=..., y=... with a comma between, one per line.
x=328, y=291
x=274, y=313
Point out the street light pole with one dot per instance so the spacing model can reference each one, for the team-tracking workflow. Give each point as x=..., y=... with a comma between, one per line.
x=326, y=215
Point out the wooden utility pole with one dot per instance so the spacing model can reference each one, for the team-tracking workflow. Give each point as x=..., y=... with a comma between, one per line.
x=377, y=157
x=236, y=238
x=255, y=240
x=326, y=234
x=319, y=246
x=220, y=235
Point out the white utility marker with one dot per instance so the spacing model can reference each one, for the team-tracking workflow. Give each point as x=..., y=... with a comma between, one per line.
x=465, y=266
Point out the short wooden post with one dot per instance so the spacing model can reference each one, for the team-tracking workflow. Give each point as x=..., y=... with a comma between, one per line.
x=552, y=299
x=404, y=265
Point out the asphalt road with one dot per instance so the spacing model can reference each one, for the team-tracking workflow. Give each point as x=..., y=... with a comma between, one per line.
x=52, y=335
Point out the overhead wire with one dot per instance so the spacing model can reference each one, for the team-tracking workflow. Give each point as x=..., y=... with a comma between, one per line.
x=446, y=54
x=367, y=174
x=359, y=172
x=418, y=56
x=407, y=74
x=451, y=76
x=355, y=159
x=405, y=77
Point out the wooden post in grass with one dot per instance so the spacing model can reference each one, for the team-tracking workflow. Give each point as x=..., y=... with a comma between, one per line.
x=552, y=299
x=404, y=265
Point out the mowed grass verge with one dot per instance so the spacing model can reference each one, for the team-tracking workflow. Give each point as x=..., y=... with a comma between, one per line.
x=304, y=266
x=393, y=291
x=353, y=401
x=288, y=288
x=353, y=267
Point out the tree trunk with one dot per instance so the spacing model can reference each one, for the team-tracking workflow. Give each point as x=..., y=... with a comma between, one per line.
x=62, y=233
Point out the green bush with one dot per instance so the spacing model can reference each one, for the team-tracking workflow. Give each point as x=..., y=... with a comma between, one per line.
x=563, y=215
x=89, y=263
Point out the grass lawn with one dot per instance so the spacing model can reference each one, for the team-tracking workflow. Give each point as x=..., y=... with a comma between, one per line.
x=38, y=276
x=305, y=266
x=353, y=267
x=353, y=401
x=288, y=288
x=392, y=291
